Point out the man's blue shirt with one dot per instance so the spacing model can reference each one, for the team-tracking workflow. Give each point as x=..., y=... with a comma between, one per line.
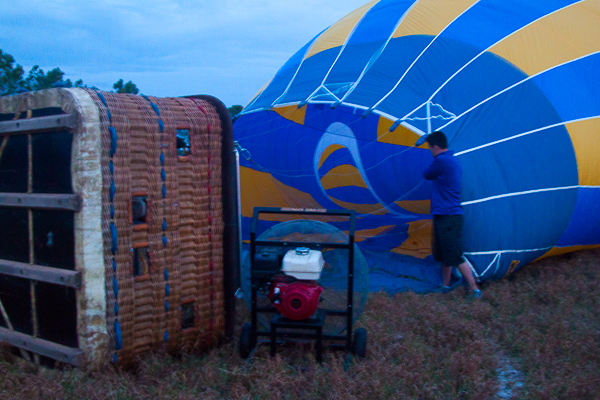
x=446, y=173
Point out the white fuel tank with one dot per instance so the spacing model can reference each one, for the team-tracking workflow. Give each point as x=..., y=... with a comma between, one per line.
x=303, y=263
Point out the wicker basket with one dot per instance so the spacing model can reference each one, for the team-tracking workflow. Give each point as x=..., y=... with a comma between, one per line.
x=130, y=187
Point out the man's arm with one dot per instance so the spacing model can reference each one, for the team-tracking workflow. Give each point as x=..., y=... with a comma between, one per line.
x=433, y=171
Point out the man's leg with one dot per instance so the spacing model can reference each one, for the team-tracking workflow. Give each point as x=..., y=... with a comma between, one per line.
x=466, y=272
x=446, y=275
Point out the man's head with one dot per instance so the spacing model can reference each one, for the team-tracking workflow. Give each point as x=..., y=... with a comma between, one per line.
x=438, y=143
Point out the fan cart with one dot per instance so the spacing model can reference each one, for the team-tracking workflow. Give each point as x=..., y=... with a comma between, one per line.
x=292, y=265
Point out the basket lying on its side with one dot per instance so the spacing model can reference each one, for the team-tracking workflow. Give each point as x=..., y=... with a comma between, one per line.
x=111, y=224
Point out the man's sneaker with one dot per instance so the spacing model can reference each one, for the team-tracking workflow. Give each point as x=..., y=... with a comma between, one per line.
x=444, y=289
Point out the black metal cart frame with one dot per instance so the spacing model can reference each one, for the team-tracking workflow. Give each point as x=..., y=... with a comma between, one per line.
x=313, y=323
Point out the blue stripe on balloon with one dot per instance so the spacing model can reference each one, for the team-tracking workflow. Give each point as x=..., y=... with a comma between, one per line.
x=583, y=226
x=474, y=81
x=526, y=222
x=310, y=75
x=368, y=41
x=573, y=88
x=395, y=60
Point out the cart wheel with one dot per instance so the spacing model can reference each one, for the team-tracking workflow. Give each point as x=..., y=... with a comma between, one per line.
x=359, y=346
x=246, y=340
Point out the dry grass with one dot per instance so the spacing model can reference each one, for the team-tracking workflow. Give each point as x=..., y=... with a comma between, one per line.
x=544, y=319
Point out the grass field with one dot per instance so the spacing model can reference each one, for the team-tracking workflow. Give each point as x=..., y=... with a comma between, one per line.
x=534, y=335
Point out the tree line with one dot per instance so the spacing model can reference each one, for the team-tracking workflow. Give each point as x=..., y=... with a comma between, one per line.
x=13, y=79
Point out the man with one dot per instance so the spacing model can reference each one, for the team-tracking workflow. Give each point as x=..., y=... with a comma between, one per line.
x=446, y=174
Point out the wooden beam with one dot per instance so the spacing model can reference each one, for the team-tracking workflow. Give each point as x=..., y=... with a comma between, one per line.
x=68, y=202
x=53, y=123
x=42, y=347
x=57, y=276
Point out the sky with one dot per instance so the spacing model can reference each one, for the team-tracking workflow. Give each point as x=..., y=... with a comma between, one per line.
x=228, y=49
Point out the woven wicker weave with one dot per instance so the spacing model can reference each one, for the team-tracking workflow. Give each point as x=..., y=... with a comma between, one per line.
x=192, y=209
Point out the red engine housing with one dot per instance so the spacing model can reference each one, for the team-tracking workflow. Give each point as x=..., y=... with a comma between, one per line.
x=297, y=300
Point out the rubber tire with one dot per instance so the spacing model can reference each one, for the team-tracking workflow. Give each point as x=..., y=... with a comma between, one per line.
x=246, y=340
x=359, y=345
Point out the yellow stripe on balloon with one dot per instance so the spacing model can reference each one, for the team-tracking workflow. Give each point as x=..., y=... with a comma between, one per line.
x=260, y=189
x=565, y=35
x=557, y=251
x=328, y=151
x=416, y=206
x=342, y=176
x=418, y=243
x=337, y=33
x=292, y=113
x=430, y=17
x=373, y=209
x=401, y=136
x=585, y=136
x=364, y=234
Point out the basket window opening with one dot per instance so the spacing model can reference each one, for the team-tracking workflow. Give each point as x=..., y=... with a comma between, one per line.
x=183, y=142
x=51, y=162
x=141, y=261
x=139, y=210
x=7, y=116
x=188, y=315
x=39, y=112
x=54, y=238
x=15, y=295
x=46, y=112
x=56, y=310
x=14, y=234
x=14, y=165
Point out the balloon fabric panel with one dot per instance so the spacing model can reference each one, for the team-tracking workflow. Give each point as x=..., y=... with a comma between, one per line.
x=513, y=84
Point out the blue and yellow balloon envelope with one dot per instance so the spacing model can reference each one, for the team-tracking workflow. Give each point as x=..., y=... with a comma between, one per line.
x=514, y=84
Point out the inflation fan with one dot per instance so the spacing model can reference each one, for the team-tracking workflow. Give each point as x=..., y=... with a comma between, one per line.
x=304, y=279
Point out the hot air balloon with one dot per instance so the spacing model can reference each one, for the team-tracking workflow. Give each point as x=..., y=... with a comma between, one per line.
x=515, y=86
